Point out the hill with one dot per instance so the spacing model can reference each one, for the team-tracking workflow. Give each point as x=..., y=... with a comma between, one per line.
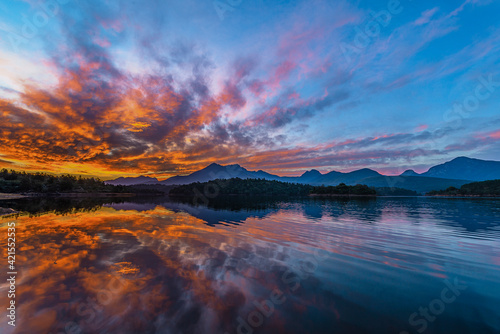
x=216, y=171
x=420, y=184
x=409, y=172
x=130, y=181
x=484, y=188
x=464, y=168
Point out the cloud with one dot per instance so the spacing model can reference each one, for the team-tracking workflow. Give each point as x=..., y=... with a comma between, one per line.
x=107, y=118
x=426, y=16
x=481, y=140
x=467, y=2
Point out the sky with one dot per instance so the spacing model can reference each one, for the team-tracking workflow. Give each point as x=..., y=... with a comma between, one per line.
x=161, y=88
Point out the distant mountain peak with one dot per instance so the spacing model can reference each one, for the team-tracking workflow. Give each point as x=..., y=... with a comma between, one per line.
x=311, y=173
x=128, y=181
x=223, y=167
x=409, y=172
x=465, y=168
x=462, y=158
x=459, y=169
x=366, y=171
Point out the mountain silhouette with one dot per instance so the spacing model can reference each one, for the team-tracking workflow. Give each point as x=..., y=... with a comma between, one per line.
x=130, y=181
x=454, y=173
x=216, y=171
x=350, y=178
x=409, y=172
x=311, y=176
x=466, y=169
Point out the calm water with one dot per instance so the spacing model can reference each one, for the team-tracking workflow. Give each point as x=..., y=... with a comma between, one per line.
x=386, y=265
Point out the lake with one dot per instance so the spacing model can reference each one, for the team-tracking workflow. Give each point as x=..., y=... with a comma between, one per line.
x=381, y=265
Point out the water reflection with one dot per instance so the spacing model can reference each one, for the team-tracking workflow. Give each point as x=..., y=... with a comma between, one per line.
x=38, y=206
x=338, y=266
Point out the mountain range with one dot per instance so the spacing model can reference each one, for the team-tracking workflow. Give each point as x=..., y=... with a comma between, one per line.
x=456, y=173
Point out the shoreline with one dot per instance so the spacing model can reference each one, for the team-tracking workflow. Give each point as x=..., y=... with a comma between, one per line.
x=14, y=196
x=8, y=212
x=6, y=196
x=341, y=195
x=465, y=196
x=9, y=196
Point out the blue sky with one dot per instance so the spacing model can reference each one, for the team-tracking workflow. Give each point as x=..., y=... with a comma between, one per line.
x=112, y=88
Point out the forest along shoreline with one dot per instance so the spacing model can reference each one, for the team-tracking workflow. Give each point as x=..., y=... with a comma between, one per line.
x=18, y=185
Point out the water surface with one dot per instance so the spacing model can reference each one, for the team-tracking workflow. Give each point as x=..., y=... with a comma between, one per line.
x=385, y=265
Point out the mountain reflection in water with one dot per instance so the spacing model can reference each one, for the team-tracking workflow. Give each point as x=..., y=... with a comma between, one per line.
x=254, y=265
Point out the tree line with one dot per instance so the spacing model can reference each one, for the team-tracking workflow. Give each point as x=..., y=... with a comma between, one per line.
x=484, y=188
x=237, y=186
x=12, y=181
